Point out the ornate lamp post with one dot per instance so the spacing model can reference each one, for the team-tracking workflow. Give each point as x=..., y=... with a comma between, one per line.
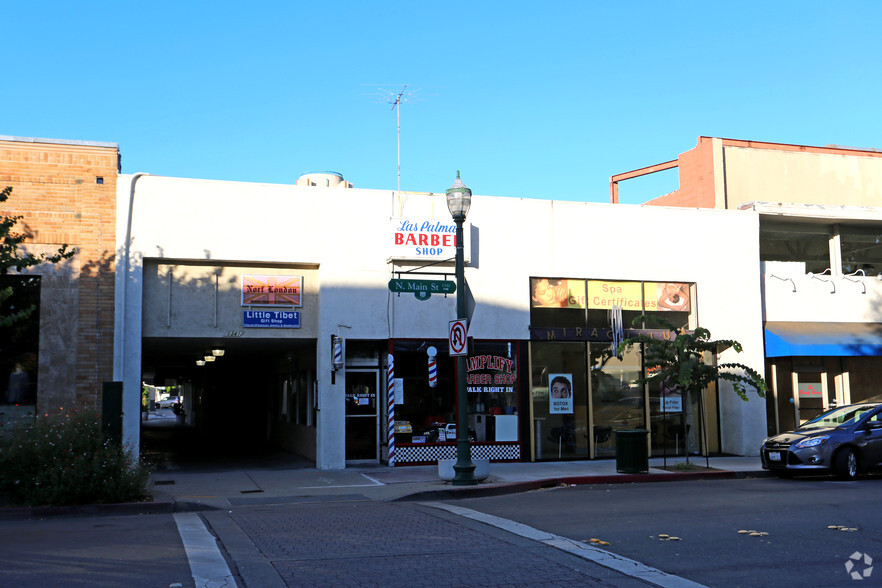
x=459, y=198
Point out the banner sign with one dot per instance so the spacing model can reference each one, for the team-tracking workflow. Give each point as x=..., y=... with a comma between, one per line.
x=551, y=293
x=667, y=296
x=272, y=290
x=604, y=295
x=423, y=239
x=277, y=319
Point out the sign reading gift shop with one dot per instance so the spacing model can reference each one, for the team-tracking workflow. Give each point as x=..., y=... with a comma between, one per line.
x=271, y=319
x=425, y=239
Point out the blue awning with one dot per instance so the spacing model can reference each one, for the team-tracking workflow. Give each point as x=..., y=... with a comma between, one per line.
x=785, y=339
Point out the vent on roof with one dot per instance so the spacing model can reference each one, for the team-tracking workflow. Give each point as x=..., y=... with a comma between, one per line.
x=324, y=179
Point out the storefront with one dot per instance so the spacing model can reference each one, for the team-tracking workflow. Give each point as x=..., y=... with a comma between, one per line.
x=367, y=375
x=424, y=400
x=582, y=392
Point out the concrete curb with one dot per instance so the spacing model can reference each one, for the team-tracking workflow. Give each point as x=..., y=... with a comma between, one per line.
x=446, y=492
x=458, y=492
x=118, y=509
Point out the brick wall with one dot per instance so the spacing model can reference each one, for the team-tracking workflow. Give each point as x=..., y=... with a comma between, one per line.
x=696, y=173
x=56, y=188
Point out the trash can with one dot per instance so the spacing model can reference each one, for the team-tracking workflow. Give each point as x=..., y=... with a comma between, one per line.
x=632, y=452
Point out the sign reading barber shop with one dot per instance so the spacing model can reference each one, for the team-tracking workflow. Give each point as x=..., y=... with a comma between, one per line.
x=425, y=239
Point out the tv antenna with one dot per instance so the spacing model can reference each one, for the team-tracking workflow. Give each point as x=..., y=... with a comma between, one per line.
x=396, y=98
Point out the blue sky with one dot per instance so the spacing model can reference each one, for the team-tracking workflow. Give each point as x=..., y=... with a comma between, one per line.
x=528, y=99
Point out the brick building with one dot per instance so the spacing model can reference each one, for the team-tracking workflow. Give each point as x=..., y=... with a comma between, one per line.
x=66, y=192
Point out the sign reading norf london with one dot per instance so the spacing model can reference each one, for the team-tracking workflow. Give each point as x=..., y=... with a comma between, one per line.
x=272, y=290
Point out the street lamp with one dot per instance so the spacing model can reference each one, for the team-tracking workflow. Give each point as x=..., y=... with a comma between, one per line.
x=459, y=198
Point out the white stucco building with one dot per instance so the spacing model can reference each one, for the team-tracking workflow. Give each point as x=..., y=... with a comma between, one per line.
x=194, y=255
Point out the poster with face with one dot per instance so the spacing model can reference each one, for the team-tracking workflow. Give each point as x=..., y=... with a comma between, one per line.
x=560, y=393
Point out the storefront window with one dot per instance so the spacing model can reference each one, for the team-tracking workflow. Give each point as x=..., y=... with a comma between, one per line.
x=802, y=242
x=19, y=342
x=861, y=250
x=617, y=401
x=425, y=391
x=559, y=400
x=582, y=422
x=557, y=302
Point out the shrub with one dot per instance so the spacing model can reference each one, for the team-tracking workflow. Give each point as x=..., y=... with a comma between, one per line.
x=65, y=459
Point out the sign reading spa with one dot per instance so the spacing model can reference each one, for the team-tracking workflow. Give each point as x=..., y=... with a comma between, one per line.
x=418, y=238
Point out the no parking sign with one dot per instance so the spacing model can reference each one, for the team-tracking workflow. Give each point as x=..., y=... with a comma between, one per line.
x=457, y=337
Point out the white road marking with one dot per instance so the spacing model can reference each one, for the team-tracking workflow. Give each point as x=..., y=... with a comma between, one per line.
x=626, y=566
x=207, y=565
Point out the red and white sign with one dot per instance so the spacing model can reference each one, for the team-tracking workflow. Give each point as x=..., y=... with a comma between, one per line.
x=426, y=239
x=458, y=337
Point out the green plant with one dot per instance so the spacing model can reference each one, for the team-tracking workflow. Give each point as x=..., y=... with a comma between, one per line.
x=64, y=459
x=683, y=362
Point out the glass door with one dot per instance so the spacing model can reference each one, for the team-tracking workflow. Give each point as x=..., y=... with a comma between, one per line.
x=362, y=416
x=810, y=392
x=617, y=401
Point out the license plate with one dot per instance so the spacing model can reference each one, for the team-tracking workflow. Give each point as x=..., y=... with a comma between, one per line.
x=774, y=456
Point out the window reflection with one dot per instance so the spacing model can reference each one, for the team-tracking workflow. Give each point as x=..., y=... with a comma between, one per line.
x=617, y=400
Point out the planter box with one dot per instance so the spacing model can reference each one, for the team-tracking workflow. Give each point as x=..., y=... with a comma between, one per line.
x=446, y=472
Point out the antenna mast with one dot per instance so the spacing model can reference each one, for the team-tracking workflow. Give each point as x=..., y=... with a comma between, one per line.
x=396, y=98
x=396, y=106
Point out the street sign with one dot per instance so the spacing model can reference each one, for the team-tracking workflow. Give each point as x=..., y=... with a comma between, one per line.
x=458, y=337
x=422, y=289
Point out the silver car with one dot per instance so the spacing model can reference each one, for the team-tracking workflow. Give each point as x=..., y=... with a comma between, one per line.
x=846, y=441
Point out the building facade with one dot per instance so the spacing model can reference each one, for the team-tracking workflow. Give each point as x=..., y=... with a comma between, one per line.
x=820, y=258
x=66, y=193
x=275, y=275
x=315, y=316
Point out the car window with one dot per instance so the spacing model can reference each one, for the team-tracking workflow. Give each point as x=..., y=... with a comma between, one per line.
x=845, y=415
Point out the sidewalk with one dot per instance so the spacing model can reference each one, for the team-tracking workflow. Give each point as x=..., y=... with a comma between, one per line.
x=187, y=489
x=286, y=478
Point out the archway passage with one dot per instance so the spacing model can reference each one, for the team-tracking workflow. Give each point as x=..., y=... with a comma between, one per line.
x=252, y=403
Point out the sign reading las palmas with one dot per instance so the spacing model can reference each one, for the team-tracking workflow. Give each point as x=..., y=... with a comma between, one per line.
x=423, y=289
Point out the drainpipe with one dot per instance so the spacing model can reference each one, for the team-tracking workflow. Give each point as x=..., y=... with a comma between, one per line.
x=122, y=279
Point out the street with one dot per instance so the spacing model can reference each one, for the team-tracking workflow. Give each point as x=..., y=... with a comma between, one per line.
x=676, y=533
x=706, y=517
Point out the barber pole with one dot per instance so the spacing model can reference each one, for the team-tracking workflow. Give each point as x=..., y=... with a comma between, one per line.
x=433, y=367
x=390, y=395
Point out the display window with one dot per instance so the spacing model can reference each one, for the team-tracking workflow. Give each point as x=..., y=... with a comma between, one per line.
x=582, y=392
x=19, y=344
x=425, y=391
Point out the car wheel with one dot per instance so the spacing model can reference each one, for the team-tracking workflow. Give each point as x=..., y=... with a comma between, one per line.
x=846, y=464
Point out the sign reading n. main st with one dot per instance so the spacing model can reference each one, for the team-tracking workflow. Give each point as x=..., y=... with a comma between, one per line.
x=423, y=289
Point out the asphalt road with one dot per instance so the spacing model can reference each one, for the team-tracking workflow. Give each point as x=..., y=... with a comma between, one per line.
x=798, y=549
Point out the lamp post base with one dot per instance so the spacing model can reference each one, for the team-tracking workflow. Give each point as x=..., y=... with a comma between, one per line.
x=464, y=474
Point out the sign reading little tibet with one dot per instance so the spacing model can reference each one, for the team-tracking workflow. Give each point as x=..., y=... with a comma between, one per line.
x=423, y=289
x=271, y=319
